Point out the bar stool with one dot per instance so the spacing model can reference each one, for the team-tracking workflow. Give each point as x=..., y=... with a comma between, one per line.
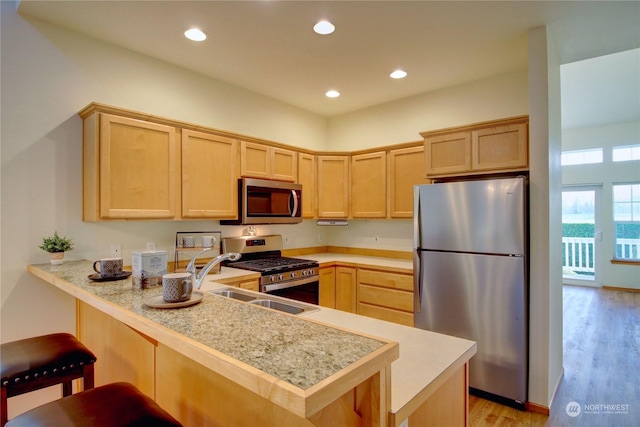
x=112, y=405
x=34, y=363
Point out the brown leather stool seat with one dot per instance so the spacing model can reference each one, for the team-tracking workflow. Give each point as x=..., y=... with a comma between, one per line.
x=111, y=405
x=34, y=363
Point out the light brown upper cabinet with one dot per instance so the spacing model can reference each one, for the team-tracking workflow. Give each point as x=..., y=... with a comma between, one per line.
x=266, y=162
x=489, y=147
x=209, y=175
x=130, y=169
x=333, y=186
x=406, y=169
x=369, y=185
x=307, y=178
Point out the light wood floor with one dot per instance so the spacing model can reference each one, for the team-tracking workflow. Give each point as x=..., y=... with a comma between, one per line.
x=601, y=365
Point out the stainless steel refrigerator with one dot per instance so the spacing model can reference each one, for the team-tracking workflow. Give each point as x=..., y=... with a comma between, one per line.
x=470, y=272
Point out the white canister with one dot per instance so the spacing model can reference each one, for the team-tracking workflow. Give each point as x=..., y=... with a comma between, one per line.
x=148, y=267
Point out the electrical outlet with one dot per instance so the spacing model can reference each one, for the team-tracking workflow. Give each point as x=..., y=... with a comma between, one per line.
x=376, y=239
x=116, y=250
x=319, y=237
x=285, y=238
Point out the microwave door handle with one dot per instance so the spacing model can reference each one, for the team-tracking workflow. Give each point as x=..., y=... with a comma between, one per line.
x=294, y=211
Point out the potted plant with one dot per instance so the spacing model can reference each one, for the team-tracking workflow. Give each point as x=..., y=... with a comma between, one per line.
x=56, y=246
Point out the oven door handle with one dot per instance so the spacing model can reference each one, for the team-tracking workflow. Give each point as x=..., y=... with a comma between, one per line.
x=290, y=284
x=294, y=196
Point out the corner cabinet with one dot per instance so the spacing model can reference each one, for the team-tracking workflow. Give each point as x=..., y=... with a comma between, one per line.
x=369, y=185
x=266, y=162
x=333, y=186
x=489, y=147
x=209, y=175
x=131, y=169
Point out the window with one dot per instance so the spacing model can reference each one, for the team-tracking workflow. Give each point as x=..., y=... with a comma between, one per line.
x=626, y=217
x=626, y=152
x=582, y=157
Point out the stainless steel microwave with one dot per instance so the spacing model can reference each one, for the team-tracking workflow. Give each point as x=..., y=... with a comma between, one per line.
x=263, y=201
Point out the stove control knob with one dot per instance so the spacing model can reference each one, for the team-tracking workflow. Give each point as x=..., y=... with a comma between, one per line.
x=280, y=277
x=310, y=272
x=293, y=274
x=304, y=272
x=273, y=278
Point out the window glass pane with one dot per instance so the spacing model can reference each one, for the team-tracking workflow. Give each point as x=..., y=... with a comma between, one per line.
x=626, y=153
x=581, y=157
x=628, y=241
x=626, y=214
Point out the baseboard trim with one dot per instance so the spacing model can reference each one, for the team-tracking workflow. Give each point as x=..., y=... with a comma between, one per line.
x=616, y=288
x=540, y=409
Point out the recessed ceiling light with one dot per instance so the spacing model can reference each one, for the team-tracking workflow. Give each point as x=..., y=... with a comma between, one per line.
x=195, y=34
x=332, y=94
x=324, y=27
x=398, y=74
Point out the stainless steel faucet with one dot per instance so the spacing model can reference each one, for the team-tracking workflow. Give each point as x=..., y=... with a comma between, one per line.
x=198, y=278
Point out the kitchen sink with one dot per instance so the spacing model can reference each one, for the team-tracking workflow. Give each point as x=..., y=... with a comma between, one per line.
x=234, y=294
x=265, y=300
x=280, y=306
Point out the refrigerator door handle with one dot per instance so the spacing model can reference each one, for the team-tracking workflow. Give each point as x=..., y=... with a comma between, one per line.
x=417, y=282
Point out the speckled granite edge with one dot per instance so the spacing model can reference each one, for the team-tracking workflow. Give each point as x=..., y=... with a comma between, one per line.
x=290, y=348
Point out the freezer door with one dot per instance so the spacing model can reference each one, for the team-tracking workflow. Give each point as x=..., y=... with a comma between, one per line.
x=482, y=298
x=485, y=216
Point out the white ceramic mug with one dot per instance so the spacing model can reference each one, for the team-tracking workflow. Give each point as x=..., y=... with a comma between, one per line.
x=188, y=242
x=109, y=267
x=208, y=241
x=176, y=287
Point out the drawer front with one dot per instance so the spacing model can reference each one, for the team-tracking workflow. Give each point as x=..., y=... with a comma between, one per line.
x=388, y=280
x=390, y=298
x=387, y=314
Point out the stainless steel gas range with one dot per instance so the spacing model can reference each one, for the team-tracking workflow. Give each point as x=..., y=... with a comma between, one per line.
x=293, y=278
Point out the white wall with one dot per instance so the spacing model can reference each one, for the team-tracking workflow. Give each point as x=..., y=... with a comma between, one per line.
x=605, y=174
x=402, y=121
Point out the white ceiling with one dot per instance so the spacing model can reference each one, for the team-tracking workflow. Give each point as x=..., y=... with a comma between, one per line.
x=268, y=47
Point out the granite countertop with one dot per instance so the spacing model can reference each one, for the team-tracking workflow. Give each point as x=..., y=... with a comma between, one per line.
x=300, y=352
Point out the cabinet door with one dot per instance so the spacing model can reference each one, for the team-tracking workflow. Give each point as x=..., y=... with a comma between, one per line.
x=346, y=289
x=406, y=169
x=139, y=176
x=209, y=176
x=284, y=164
x=327, y=279
x=448, y=154
x=500, y=147
x=255, y=160
x=333, y=186
x=369, y=185
x=307, y=178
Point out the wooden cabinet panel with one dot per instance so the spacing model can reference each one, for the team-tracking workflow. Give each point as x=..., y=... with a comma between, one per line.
x=385, y=296
x=327, y=279
x=131, y=169
x=497, y=146
x=307, y=178
x=123, y=354
x=406, y=169
x=369, y=185
x=346, y=289
x=333, y=186
x=263, y=161
x=500, y=147
x=209, y=175
x=447, y=154
x=252, y=285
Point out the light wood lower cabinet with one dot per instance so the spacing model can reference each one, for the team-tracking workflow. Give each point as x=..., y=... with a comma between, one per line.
x=346, y=289
x=327, y=287
x=209, y=175
x=123, y=354
x=385, y=296
x=250, y=284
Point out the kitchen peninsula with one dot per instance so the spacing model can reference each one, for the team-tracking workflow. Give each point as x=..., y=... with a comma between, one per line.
x=224, y=362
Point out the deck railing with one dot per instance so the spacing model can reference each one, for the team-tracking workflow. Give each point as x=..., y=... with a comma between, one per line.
x=578, y=252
